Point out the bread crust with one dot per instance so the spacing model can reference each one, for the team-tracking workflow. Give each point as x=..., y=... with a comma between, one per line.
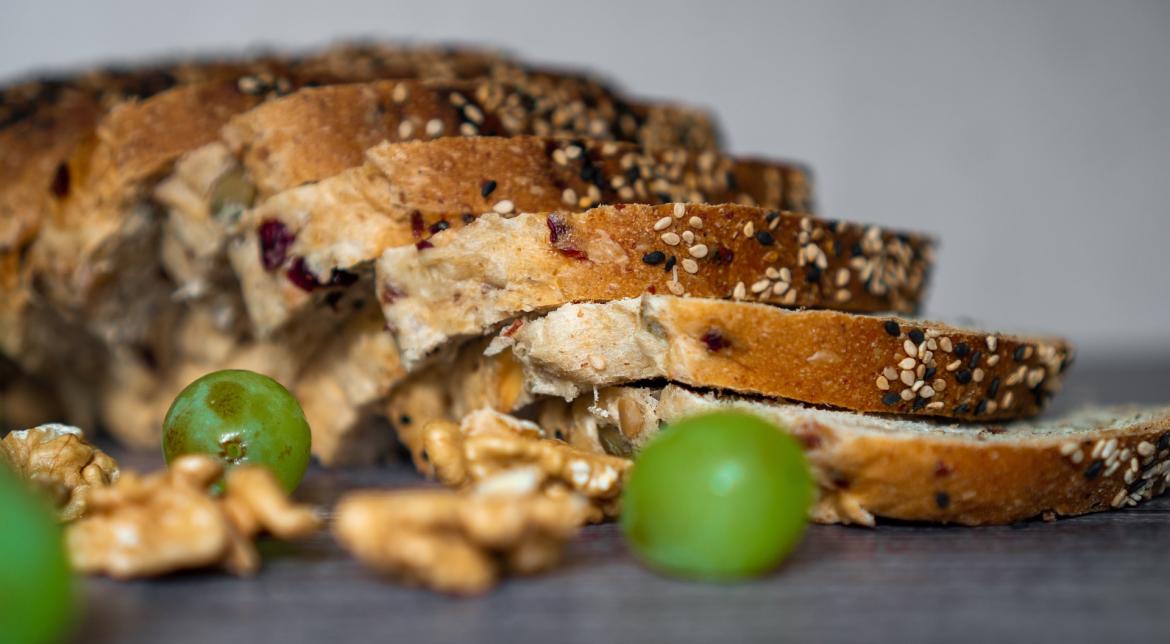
x=868, y=468
x=466, y=283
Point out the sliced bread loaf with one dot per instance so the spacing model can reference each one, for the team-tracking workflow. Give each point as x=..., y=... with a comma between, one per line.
x=465, y=283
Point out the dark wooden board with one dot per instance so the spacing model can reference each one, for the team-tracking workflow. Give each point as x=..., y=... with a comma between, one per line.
x=1098, y=578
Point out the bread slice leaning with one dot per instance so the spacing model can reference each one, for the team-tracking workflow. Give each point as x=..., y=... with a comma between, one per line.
x=465, y=283
x=869, y=467
x=856, y=362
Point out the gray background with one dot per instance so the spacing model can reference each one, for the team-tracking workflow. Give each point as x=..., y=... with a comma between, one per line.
x=1033, y=138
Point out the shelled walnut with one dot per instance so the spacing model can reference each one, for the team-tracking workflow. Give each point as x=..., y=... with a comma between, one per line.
x=460, y=542
x=145, y=526
x=487, y=443
x=59, y=460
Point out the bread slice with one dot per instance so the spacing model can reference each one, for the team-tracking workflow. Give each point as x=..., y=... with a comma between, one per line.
x=316, y=133
x=301, y=245
x=856, y=362
x=868, y=467
x=465, y=284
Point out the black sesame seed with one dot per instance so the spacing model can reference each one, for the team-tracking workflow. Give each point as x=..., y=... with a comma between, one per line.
x=890, y=398
x=916, y=336
x=670, y=263
x=919, y=403
x=838, y=248
x=468, y=218
x=993, y=388
x=772, y=216
x=929, y=373
x=425, y=457
x=1094, y=469
x=654, y=258
x=961, y=350
x=892, y=328
x=942, y=499
x=487, y=188
x=855, y=250
x=974, y=361
x=1018, y=354
x=765, y=238
x=962, y=376
x=404, y=419
x=60, y=184
x=981, y=408
x=1164, y=441
x=813, y=274
x=440, y=226
x=962, y=409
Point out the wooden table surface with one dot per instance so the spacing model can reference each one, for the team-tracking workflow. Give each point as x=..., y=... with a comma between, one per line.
x=1097, y=578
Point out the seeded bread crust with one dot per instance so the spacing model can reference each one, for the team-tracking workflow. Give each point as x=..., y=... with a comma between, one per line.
x=869, y=467
x=299, y=244
x=466, y=283
x=855, y=362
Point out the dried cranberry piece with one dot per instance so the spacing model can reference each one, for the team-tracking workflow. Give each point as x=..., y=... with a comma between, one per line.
x=300, y=275
x=416, y=224
x=275, y=239
x=423, y=245
x=390, y=293
x=715, y=340
x=60, y=184
x=559, y=233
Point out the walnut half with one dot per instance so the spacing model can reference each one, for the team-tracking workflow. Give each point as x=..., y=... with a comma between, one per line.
x=458, y=542
x=59, y=460
x=145, y=526
x=488, y=443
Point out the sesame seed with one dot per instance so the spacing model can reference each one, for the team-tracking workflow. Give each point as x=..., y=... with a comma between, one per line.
x=740, y=291
x=882, y=383
x=663, y=224
x=671, y=239
x=698, y=250
x=675, y=287
x=910, y=349
x=569, y=196
x=946, y=345
x=654, y=258
x=779, y=288
x=688, y=237
x=926, y=392
x=932, y=344
x=842, y=276
x=907, y=377
x=1068, y=448
x=907, y=395
x=468, y=129
x=400, y=93
x=597, y=362
x=573, y=151
x=992, y=343
x=890, y=373
x=504, y=206
x=936, y=405
x=992, y=360
x=1110, y=447
x=920, y=371
x=939, y=385
x=1078, y=457
x=696, y=222
x=405, y=129
x=434, y=127
x=1145, y=448
x=977, y=375
x=951, y=366
x=679, y=210
x=690, y=266
x=473, y=114
x=1035, y=377
x=1008, y=399
x=772, y=273
x=749, y=229
x=908, y=363
x=760, y=286
x=1097, y=448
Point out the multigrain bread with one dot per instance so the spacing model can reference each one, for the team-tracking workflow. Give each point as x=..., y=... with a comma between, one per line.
x=303, y=247
x=315, y=133
x=870, y=467
x=465, y=283
x=405, y=194
x=856, y=362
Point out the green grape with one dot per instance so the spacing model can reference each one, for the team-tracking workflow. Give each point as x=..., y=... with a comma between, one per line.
x=240, y=417
x=717, y=496
x=36, y=590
